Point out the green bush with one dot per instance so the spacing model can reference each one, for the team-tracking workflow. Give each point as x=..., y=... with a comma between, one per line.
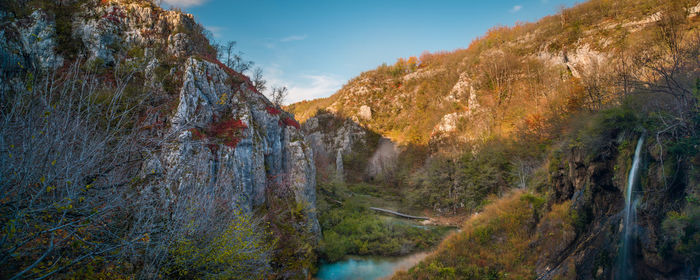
x=606, y=126
x=239, y=252
x=463, y=182
x=354, y=229
x=682, y=230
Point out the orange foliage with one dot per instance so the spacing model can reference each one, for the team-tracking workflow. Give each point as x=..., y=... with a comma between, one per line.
x=537, y=125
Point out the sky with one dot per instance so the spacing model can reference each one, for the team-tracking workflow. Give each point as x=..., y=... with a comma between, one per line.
x=313, y=47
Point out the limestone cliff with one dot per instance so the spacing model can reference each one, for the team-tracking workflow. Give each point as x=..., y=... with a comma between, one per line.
x=201, y=125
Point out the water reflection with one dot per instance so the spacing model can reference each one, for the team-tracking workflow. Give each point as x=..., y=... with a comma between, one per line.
x=367, y=267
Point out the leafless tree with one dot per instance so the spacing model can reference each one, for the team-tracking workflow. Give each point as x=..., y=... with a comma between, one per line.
x=669, y=65
x=258, y=81
x=232, y=58
x=279, y=95
x=67, y=152
x=72, y=192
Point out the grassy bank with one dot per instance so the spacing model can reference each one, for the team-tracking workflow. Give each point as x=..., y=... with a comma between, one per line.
x=351, y=228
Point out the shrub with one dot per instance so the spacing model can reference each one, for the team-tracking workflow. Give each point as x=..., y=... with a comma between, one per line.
x=682, y=231
x=272, y=110
x=226, y=132
x=353, y=229
x=491, y=245
x=290, y=122
x=241, y=251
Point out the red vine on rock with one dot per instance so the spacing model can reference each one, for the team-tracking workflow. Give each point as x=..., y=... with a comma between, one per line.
x=231, y=72
x=290, y=122
x=272, y=110
x=115, y=16
x=226, y=132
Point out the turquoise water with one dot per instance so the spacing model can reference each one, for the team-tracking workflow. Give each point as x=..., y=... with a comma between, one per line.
x=368, y=268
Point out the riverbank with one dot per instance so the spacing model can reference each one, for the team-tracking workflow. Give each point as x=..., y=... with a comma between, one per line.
x=367, y=267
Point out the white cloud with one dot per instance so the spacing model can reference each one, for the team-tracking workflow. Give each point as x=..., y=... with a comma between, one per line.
x=215, y=30
x=307, y=87
x=516, y=8
x=184, y=3
x=293, y=38
x=318, y=86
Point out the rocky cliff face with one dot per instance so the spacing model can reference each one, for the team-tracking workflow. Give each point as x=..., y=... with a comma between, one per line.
x=332, y=138
x=595, y=185
x=336, y=140
x=264, y=153
x=206, y=125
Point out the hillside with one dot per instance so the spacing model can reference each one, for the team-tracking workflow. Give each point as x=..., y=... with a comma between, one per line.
x=513, y=79
x=531, y=131
x=131, y=147
x=130, y=151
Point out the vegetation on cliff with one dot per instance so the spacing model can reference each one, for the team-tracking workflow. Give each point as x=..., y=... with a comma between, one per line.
x=537, y=119
x=569, y=213
x=88, y=92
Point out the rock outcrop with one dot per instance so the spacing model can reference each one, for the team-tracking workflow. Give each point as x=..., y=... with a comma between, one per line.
x=595, y=185
x=331, y=138
x=208, y=125
x=335, y=139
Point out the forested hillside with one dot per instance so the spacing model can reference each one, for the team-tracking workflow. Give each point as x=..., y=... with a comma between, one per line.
x=532, y=129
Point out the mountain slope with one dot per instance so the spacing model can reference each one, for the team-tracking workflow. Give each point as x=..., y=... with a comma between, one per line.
x=532, y=131
x=129, y=149
x=505, y=82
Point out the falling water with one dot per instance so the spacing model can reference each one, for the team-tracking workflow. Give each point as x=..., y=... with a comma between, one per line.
x=626, y=270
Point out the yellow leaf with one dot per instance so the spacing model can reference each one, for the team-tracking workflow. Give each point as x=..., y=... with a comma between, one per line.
x=53, y=162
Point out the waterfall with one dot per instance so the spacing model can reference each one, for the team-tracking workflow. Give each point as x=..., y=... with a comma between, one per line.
x=625, y=268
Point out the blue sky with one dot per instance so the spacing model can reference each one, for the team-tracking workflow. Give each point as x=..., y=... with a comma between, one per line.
x=315, y=46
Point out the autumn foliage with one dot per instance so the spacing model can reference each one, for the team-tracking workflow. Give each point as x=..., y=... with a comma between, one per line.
x=290, y=122
x=232, y=73
x=225, y=132
x=115, y=16
x=272, y=110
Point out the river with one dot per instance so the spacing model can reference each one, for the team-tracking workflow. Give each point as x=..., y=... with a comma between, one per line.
x=372, y=267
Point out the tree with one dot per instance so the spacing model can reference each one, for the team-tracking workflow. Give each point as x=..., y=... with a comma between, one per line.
x=232, y=59
x=669, y=64
x=412, y=63
x=278, y=95
x=258, y=81
x=68, y=148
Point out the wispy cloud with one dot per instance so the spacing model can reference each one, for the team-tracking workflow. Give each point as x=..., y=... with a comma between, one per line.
x=516, y=8
x=293, y=38
x=184, y=3
x=305, y=87
x=215, y=30
x=318, y=86
x=271, y=43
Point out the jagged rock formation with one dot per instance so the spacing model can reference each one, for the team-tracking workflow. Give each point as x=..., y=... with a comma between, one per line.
x=202, y=123
x=331, y=138
x=267, y=152
x=335, y=139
